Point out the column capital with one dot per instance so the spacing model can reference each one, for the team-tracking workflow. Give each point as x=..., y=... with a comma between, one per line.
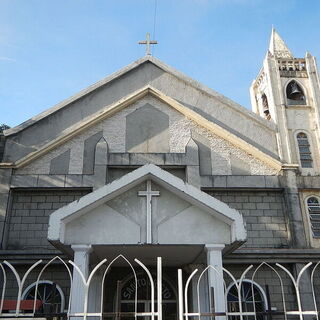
x=214, y=247
x=87, y=248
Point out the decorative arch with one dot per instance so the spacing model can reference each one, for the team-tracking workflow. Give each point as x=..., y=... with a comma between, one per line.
x=304, y=149
x=134, y=307
x=295, y=94
x=50, y=293
x=251, y=293
x=144, y=294
x=313, y=209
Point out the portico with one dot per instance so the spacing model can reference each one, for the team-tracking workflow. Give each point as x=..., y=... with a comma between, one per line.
x=145, y=214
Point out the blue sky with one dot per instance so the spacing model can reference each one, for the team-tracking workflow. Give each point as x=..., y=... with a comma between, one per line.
x=51, y=49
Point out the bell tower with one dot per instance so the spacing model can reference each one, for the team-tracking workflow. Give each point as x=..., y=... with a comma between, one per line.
x=287, y=92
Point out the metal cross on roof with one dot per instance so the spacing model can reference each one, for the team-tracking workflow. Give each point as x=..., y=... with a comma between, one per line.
x=148, y=42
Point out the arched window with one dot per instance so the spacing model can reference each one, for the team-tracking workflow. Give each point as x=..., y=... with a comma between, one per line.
x=314, y=215
x=304, y=150
x=252, y=298
x=265, y=107
x=49, y=293
x=295, y=94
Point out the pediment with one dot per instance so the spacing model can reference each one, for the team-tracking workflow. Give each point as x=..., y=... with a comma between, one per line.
x=163, y=122
x=117, y=214
x=59, y=124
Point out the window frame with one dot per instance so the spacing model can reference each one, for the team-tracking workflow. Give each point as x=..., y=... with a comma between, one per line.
x=27, y=290
x=309, y=215
x=299, y=154
x=250, y=282
x=265, y=109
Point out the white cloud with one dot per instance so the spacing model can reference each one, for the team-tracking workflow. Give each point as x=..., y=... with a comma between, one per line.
x=7, y=59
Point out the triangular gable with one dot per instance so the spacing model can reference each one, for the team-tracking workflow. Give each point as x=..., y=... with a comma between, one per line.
x=216, y=208
x=122, y=103
x=235, y=106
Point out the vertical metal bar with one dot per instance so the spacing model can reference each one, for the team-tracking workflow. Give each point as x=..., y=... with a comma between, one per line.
x=186, y=295
x=3, y=287
x=149, y=213
x=53, y=299
x=312, y=286
x=212, y=304
x=151, y=284
x=180, y=294
x=268, y=302
x=118, y=300
x=298, y=301
x=159, y=287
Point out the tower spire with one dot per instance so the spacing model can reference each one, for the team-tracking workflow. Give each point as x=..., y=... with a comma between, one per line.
x=278, y=47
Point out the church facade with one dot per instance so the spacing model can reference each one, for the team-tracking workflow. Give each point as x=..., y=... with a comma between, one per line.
x=149, y=163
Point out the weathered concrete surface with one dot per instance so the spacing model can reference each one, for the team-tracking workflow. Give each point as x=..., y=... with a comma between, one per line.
x=29, y=216
x=122, y=196
x=100, y=163
x=264, y=212
x=60, y=164
x=204, y=154
x=180, y=130
x=241, y=182
x=147, y=130
x=238, y=166
x=88, y=152
x=295, y=216
x=236, y=119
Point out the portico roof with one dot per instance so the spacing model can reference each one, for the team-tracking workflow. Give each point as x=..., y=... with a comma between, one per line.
x=177, y=187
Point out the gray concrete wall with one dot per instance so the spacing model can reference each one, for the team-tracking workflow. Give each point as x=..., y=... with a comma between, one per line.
x=123, y=132
x=265, y=276
x=264, y=214
x=55, y=273
x=28, y=219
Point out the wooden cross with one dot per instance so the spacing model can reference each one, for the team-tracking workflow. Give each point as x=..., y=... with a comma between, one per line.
x=149, y=194
x=147, y=42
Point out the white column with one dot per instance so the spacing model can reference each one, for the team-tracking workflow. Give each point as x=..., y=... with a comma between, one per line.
x=214, y=258
x=81, y=259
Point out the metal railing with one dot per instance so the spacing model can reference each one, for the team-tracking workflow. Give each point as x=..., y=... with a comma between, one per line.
x=195, y=298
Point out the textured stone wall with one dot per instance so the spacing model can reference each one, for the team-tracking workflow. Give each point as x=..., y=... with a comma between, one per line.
x=55, y=273
x=263, y=213
x=266, y=277
x=28, y=224
x=181, y=130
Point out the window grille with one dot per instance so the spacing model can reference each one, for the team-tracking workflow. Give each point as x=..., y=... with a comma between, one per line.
x=252, y=300
x=304, y=150
x=49, y=293
x=314, y=214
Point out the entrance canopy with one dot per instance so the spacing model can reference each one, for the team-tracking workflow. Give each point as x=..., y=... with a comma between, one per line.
x=147, y=206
